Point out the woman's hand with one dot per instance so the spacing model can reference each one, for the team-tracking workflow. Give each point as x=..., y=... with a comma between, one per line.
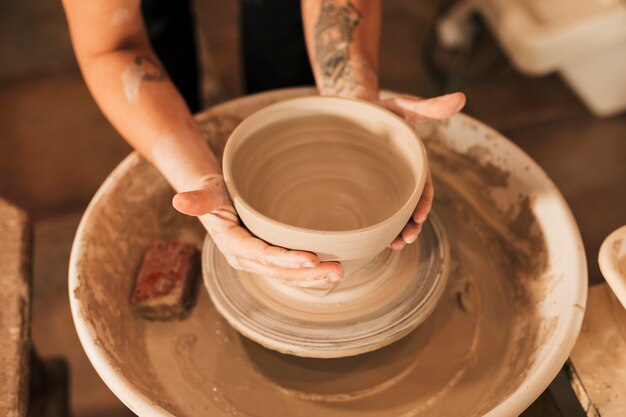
x=212, y=204
x=415, y=110
x=342, y=38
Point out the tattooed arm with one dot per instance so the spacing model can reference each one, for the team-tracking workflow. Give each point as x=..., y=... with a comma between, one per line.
x=129, y=84
x=342, y=38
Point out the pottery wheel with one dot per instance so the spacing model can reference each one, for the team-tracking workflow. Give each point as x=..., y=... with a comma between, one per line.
x=505, y=324
x=371, y=308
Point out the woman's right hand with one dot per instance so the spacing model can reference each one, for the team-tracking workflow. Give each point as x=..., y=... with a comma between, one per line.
x=213, y=206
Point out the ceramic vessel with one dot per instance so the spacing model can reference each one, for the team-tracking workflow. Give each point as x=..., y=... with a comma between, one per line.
x=201, y=366
x=612, y=260
x=333, y=176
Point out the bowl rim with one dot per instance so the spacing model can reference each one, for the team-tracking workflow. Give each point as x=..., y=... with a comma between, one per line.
x=238, y=198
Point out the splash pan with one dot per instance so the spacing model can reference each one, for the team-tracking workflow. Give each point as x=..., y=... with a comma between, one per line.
x=504, y=324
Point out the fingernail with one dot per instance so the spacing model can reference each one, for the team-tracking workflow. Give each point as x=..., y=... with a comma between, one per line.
x=333, y=277
x=309, y=264
x=410, y=239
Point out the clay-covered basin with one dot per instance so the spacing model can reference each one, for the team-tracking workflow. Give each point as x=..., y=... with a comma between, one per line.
x=503, y=328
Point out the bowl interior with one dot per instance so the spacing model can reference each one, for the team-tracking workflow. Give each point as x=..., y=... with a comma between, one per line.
x=324, y=164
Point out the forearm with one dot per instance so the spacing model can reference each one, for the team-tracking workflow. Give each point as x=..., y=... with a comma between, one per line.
x=342, y=38
x=141, y=102
x=133, y=91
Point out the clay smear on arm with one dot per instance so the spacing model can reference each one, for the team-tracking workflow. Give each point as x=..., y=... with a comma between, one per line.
x=144, y=68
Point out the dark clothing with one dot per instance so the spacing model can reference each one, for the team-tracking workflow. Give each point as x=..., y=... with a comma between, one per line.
x=272, y=44
x=171, y=29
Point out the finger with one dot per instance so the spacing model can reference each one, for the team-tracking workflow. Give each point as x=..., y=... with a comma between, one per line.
x=410, y=232
x=232, y=239
x=397, y=244
x=322, y=275
x=194, y=203
x=284, y=258
x=426, y=201
x=211, y=197
x=416, y=110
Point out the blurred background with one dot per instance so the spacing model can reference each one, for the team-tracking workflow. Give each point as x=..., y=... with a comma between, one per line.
x=56, y=148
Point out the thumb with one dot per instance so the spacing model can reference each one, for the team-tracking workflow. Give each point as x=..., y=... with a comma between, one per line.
x=194, y=203
x=417, y=110
x=205, y=200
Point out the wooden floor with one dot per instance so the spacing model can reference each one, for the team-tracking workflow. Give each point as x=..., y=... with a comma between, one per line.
x=56, y=148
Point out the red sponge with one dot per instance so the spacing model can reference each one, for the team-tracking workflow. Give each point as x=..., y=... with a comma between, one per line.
x=165, y=286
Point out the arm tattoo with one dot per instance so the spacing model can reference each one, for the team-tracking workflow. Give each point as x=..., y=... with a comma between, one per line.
x=334, y=32
x=149, y=68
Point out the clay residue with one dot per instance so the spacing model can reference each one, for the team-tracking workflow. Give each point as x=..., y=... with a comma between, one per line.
x=216, y=129
x=491, y=173
x=110, y=256
x=472, y=167
x=514, y=241
x=131, y=82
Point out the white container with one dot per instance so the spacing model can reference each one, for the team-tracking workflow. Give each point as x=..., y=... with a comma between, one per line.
x=612, y=260
x=584, y=40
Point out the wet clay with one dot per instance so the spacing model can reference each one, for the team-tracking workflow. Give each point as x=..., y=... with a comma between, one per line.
x=322, y=173
x=469, y=355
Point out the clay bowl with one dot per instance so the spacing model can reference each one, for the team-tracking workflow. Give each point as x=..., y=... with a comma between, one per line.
x=333, y=176
x=459, y=362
